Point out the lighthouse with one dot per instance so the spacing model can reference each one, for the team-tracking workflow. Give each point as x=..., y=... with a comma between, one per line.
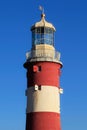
x=43, y=79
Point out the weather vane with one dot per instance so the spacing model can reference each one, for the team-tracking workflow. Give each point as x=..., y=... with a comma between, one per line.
x=41, y=9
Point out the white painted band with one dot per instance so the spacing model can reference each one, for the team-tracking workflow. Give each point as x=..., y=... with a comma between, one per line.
x=47, y=99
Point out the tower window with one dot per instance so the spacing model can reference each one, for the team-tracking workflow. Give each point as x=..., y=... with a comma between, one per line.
x=37, y=87
x=36, y=68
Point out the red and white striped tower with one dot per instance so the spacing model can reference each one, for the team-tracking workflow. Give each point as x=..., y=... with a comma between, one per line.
x=43, y=74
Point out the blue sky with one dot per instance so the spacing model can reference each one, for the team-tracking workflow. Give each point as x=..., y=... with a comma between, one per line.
x=70, y=20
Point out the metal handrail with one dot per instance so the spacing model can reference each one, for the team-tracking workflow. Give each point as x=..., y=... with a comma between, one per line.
x=47, y=53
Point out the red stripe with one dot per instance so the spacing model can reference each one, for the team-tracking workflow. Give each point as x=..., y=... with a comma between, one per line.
x=48, y=74
x=43, y=121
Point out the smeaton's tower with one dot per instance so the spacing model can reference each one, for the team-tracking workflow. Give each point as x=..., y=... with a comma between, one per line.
x=43, y=79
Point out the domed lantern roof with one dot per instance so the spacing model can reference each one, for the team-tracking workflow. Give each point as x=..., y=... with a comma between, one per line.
x=43, y=23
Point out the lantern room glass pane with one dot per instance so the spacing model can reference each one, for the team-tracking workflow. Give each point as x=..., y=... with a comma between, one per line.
x=43, y=35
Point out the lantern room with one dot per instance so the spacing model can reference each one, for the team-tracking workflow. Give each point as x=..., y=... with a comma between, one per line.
x=42, y=32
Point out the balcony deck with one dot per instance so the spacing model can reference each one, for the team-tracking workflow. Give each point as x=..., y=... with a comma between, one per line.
x=43, y=55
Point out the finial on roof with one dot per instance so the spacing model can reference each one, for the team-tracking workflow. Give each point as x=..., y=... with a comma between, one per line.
x=42, y=12
x=41, y=9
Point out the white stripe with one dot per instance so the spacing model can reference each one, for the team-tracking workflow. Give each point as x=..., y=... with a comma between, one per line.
x=46, y=99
